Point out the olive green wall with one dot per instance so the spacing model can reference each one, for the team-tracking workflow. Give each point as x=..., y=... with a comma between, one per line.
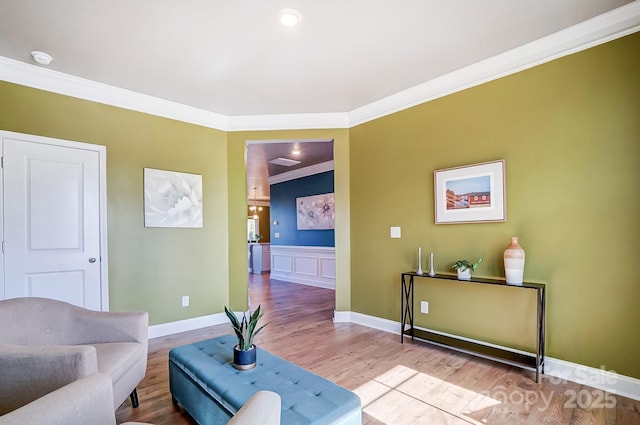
x=237, y=167
x=569, y=131
x=149, y=268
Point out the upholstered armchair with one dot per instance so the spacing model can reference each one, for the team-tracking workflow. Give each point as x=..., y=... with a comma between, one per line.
x=263, y=408
x=46, y=344
x=89, y=400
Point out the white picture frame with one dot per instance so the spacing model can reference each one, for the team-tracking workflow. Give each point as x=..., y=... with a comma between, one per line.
x=471, y=193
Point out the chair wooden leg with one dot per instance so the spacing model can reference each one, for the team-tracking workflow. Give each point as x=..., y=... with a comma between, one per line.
x=134, y=398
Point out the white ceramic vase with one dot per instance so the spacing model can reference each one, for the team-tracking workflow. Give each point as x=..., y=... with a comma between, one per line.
x=514, y=262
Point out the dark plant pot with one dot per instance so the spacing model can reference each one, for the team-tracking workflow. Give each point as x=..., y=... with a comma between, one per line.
x=244, y=360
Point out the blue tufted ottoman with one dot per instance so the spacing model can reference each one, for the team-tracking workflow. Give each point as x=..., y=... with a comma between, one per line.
x=205, y=383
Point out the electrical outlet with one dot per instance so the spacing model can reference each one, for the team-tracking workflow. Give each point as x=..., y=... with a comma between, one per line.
x=395, y=232
x=424, y=307
x=276, y=235
x=185, y=301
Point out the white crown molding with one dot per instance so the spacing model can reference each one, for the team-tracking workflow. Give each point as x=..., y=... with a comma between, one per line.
x=262, y=142
x=598, y=30
x=302, y=172
x=328, y=120
x=609, y=26
x=57, y=82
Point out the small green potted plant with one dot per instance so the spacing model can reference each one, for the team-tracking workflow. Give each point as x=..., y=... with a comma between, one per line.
x=244, y=354
x=465, y=268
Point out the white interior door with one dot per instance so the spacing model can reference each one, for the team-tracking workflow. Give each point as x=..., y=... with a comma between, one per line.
x=52, y=221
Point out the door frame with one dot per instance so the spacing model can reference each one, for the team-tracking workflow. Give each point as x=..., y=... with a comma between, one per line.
x=102, y=208
x=249, y=142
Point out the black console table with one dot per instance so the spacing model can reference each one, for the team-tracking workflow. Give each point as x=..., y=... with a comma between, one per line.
x=533, y=362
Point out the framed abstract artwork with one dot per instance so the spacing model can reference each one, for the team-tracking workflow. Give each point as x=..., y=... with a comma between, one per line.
x=316, y=212
x=471, y=193
x=172, y=199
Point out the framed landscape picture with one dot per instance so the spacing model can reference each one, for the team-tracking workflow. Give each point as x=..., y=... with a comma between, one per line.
x=471, y=193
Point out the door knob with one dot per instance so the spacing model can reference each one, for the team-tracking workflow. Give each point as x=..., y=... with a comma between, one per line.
x=92, y=260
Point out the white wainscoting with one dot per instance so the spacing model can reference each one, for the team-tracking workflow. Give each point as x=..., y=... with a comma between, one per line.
x=309, y=265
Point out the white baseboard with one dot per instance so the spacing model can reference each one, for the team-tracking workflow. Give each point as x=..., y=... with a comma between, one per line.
x=605, y=380
x=609, y=381
x=302, y=280
x=341, y=316
x=375, y=323
x=164, y=329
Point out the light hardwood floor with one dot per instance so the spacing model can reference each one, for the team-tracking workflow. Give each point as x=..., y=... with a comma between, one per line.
x=399, y=384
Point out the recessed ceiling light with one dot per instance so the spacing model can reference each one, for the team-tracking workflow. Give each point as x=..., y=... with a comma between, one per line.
x=289, y=17
x=284, y=161
x=295, y=152
x=41, y=57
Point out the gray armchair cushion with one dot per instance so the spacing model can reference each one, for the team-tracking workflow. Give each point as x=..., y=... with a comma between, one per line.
x=43, y=330
x=86, y=401
x=29, y=372
x=89, y=400
x=125, y=362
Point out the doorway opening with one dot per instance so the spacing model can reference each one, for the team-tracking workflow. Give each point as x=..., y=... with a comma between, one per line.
x=278, y=173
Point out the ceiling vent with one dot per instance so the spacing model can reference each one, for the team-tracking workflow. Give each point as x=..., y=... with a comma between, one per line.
x=284, y=161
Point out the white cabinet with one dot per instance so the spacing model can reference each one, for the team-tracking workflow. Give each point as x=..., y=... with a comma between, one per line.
x=260, y=258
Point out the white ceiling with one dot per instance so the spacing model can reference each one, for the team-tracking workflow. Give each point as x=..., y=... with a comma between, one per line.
x=234, y=58
x=229, y=64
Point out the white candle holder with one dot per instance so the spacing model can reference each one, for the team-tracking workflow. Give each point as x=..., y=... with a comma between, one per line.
x=432, y=272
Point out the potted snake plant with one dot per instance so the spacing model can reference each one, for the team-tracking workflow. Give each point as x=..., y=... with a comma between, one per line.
x=244, y=354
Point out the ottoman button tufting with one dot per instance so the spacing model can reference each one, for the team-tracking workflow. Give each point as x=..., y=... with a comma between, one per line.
x=210, y=400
